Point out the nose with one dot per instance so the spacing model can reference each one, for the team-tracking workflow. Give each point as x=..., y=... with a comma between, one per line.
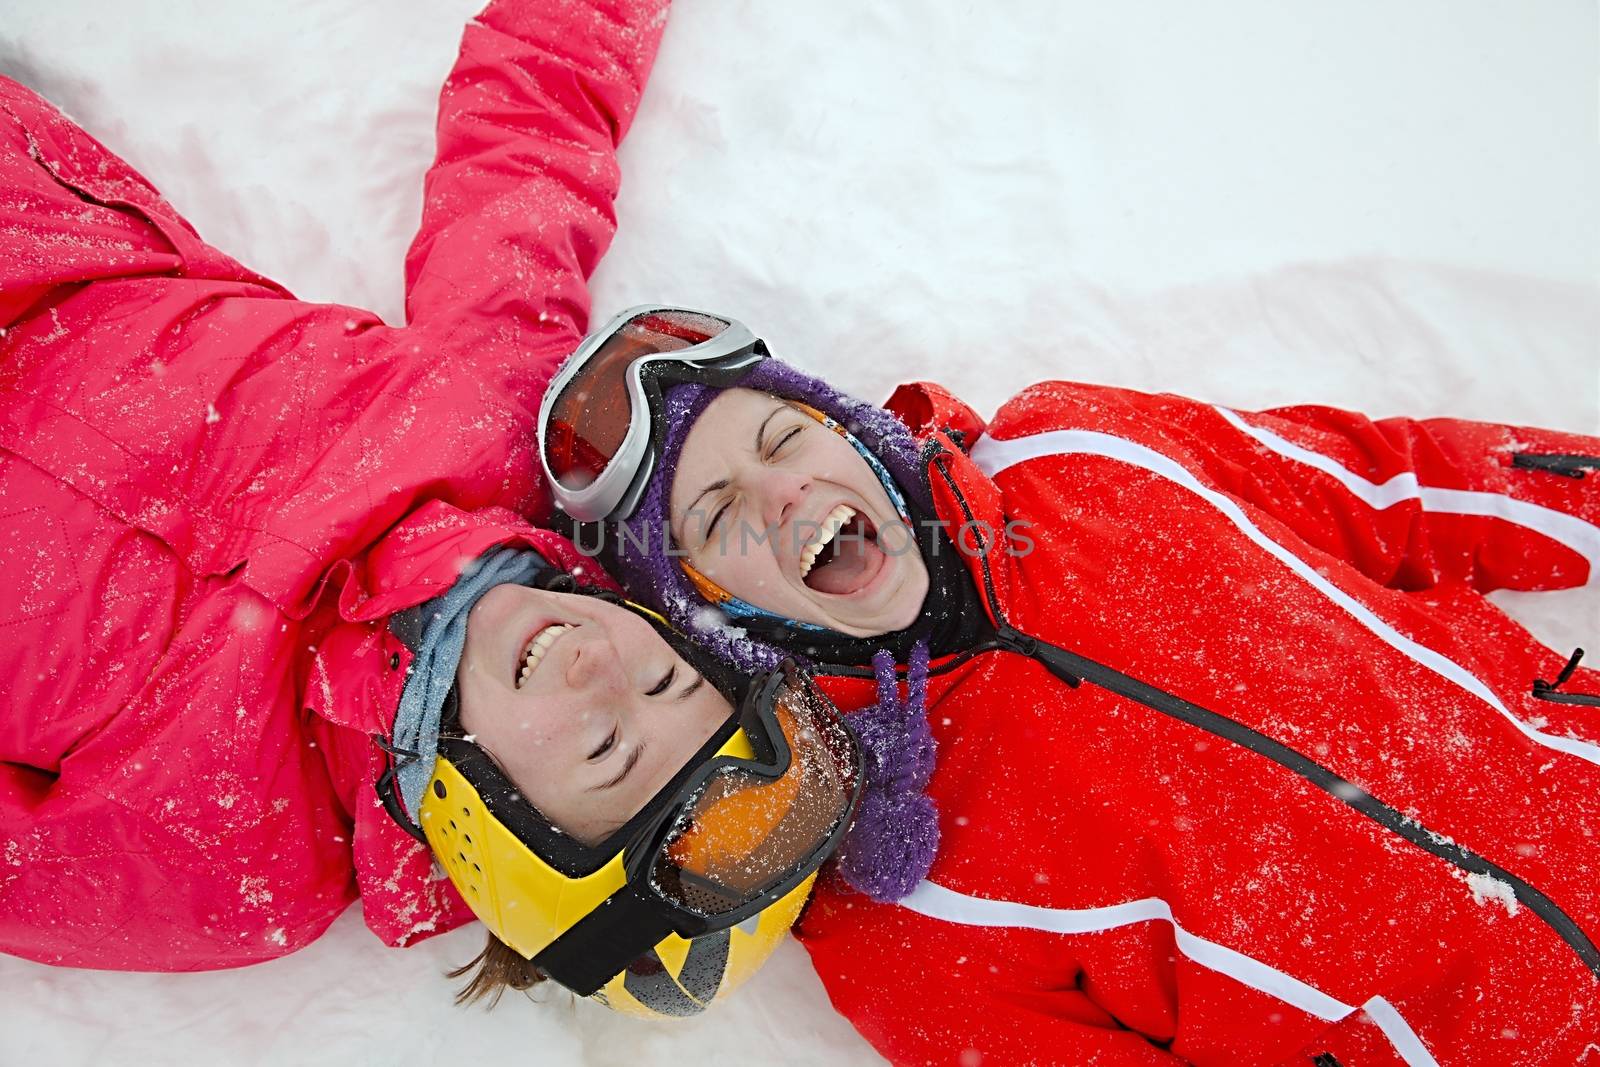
x=780, y=493
x=594, y=667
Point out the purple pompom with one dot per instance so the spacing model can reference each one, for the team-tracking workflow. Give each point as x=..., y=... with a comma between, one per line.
x=892, y=843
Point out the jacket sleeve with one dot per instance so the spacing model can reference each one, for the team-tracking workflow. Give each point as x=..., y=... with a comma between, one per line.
x=517, y=208
x=72, y=213
x=1410, y=503
x=923, y=992
x=958, y=1026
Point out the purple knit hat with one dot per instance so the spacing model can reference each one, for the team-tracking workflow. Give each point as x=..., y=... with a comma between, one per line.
x=637, y=555
x=894, y=838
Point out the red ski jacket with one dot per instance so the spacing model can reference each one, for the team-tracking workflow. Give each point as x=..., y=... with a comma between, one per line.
x=212, y=495
x=1253, y=772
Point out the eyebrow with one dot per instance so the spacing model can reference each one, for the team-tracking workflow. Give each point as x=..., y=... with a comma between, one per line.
x=690, y=689
x=762, y=429
x=633, y=758
x=712, y=488
x=722, y=483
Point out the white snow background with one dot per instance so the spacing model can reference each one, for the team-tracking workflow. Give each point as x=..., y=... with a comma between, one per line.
x=1391, y=207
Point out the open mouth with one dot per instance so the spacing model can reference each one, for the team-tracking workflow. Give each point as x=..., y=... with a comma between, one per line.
x=537, y=646
x=845, y=557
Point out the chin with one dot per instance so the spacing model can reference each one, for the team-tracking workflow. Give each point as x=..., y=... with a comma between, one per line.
x=877, y=622
x=905, y=606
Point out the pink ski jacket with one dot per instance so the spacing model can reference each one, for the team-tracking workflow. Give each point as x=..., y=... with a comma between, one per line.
x=1254, y=773
x=213, y=495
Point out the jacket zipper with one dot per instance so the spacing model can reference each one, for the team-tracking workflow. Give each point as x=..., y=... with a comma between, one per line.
x=1075, y=669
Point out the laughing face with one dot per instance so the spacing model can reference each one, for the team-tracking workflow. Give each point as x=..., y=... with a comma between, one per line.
x=581, y=703
x=782, y=512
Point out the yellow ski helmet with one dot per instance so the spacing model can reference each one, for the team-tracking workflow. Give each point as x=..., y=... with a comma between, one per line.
x=683, y=903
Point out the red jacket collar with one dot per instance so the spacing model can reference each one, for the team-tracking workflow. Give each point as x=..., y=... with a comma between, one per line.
x=967, y=501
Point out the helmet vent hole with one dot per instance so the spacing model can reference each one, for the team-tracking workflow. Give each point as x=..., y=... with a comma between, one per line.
x=452, y=824
x=438, y=789
x=467, y=812
x=463, y=856
x=467, y=838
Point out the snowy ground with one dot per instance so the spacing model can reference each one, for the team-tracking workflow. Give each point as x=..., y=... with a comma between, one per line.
x=1384, y=206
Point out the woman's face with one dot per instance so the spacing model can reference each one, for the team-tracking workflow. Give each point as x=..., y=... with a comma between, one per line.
x=782, y=512
x=581, y=703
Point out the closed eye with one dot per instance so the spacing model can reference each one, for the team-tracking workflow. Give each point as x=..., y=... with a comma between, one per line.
x=627, y=765
x=712, y=526
x=665, y=683
x=781, y=442
x=609, y=743
x=689, y=690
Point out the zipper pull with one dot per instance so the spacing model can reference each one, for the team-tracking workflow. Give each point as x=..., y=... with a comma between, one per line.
x=1566, y=464
x=1014, y=640
x=1543, y=690
x=1011, y=639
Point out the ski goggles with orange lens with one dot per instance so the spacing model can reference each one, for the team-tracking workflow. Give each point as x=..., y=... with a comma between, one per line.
x=754, y=815
x=599, y=425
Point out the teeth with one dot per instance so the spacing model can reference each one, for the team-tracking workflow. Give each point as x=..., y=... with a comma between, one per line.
x=537, y=648
x=836, y=520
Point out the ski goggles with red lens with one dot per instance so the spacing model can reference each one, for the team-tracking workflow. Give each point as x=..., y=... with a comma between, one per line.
x=600, y=426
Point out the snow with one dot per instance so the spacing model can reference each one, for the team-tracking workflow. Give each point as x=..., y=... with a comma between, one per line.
x=1379, y=206
x=1486, y=888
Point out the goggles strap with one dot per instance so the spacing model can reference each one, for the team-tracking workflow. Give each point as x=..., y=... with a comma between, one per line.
x=603, y=943
x=693, y=989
